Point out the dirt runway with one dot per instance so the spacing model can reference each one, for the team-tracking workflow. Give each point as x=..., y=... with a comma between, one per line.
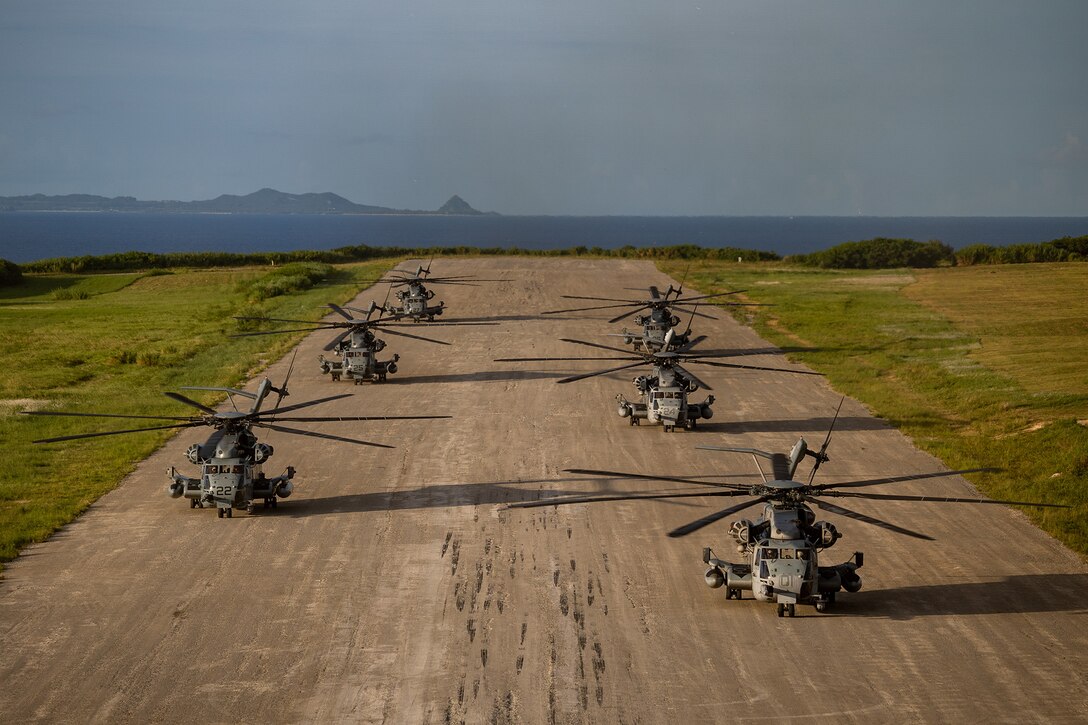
x=393, y=587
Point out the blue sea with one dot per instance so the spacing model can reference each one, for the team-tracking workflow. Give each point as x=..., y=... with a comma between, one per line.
x=29, y=236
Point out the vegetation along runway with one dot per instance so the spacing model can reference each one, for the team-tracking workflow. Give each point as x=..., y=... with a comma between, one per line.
x=394, y=587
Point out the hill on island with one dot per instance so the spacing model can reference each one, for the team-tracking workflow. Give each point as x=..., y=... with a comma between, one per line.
x=265, y=201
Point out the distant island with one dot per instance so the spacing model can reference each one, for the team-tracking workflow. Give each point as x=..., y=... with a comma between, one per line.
x=265, y=201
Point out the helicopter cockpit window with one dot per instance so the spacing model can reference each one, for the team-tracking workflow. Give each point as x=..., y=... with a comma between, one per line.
x=802, y=554
x=211, y=469
x=770, y=554
x=787, y=553
x=239, y=469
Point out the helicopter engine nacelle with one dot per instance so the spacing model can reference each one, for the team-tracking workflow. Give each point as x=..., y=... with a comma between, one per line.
x=742, y=531
x=193, y=454
x=262, y=452
x=714, y=577
x=823, y=534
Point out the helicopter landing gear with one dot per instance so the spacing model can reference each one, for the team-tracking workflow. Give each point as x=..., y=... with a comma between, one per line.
x=822, y=606
x=270, y=502
x=192, y=503
x=731, y=593
x=786, y=610
x=250, y=507
x=670, y=428
x=335, y=378
x=229, y=513
x=689, y=424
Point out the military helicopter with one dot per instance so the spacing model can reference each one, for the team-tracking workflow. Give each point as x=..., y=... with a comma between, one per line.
x=783, y=544
x=232, y=459
x=664, y=394
x=660, y=319
x=357, y=346
x=415, y=301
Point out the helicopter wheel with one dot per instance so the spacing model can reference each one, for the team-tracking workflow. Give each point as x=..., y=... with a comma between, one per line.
x=273, y=502
x=821, y=606
x=230, y=513
x=790, y=610
x=192, y=503
x=249, y=507
x=219, y=513
x=781, y=610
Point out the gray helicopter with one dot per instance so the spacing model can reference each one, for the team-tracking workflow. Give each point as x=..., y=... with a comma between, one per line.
x=663, y=395
x=783, y=544
x=357, y=347
x=231, y=459
x=415, y=300
x=659, y=321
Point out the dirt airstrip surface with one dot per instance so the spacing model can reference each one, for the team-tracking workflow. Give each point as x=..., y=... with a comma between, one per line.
x=392, y=587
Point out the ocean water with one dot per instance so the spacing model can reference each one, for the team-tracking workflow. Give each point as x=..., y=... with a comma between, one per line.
x=28, y=236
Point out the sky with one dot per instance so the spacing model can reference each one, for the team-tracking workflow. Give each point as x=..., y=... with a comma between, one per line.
x=581, y=107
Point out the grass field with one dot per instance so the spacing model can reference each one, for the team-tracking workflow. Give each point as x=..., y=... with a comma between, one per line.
x=980, y=366
x=114, y=343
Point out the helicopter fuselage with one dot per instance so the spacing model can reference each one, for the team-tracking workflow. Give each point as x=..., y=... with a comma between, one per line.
x=783, y=559
x=655, y=326
x=358, y=359
x=414, y=302
x=231, y=474
x=664, y=400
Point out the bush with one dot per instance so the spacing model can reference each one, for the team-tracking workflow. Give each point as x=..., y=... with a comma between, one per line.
x=10, y=274
x=880, y=253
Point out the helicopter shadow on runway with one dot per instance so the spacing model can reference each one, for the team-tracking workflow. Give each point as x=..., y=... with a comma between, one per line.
x=798, y=425
x=1018, y=594
x=482, y=376
x=486, y=493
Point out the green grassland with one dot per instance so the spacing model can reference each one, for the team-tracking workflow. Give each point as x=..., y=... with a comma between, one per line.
x=114, y=343
x=980, y=366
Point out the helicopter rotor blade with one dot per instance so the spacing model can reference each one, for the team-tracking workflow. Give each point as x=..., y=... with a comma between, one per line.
x=700, y=361
x=118, y=432
x=563, y=500
x=312, y=434
x=596, y=345
x=351, y=418
x=865, y=518
x=278, y=319
x=628, y=314
x=386, y=330
x=716, y=516
x=940, y=499
x=556, y=359
x=280, y=332
x=336, y=341
x=636, y=305
x=703, y=315
x=339, y=310
x=645, y=477
x=822, y=455
x=189, y=401
x=693, y=376
x=690, y=343
x=600, y=372
x=282, y=392
x=689, y=300
x=601, y=299
x=108, y=415
x=898, y=479
x=300, y=406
